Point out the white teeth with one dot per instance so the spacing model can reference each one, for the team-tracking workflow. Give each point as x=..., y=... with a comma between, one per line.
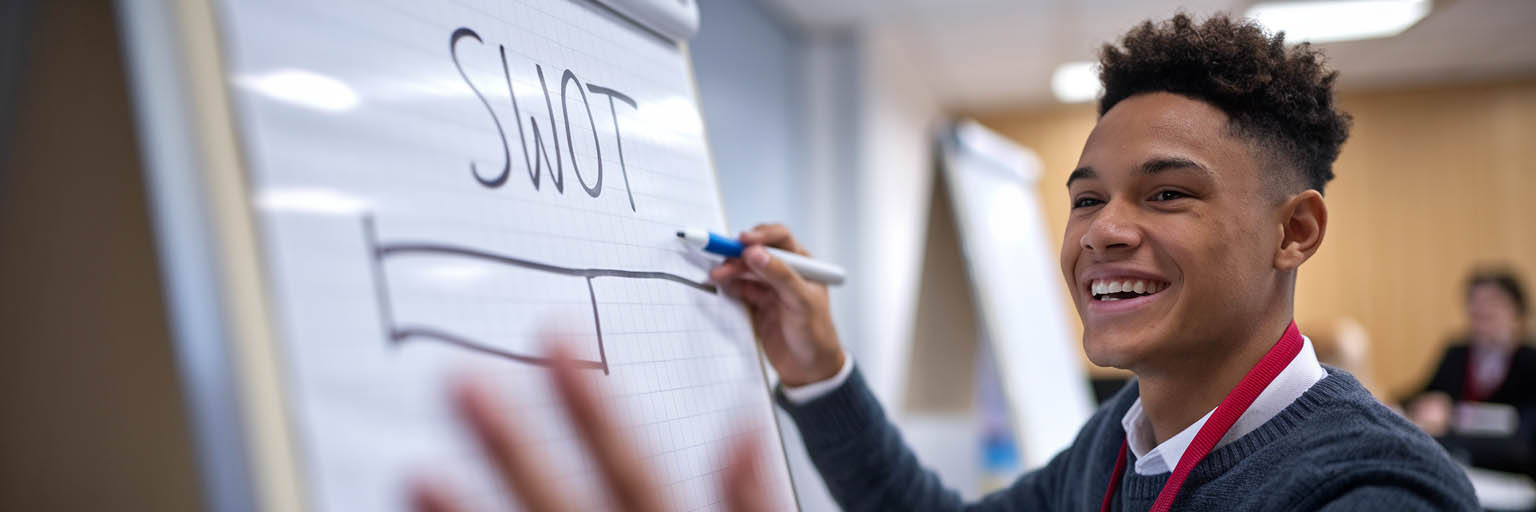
x=1103, y=287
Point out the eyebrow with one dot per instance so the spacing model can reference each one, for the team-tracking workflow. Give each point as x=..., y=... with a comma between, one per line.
x=1082, y=173
x=1158, y=165
x=1150, y=167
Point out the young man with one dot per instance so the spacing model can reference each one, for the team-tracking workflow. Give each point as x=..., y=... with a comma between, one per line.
x=1196, y=200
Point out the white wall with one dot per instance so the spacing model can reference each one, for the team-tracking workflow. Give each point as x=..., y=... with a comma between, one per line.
x=747, y=64
x=897, y=116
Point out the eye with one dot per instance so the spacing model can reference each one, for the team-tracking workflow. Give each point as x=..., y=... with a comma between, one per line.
x=1085, y=202
x=1168, y=195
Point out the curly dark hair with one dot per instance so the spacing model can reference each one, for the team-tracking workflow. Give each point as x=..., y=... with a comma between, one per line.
x=1279, y=98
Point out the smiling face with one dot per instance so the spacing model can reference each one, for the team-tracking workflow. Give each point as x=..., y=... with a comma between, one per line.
x=1172, y=241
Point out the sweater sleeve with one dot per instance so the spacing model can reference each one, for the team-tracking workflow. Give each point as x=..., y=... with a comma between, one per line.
x=1383, y=498
x=1383, y=465
x=867, y=466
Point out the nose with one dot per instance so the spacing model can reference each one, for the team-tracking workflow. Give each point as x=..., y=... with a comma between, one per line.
x=1113, y=230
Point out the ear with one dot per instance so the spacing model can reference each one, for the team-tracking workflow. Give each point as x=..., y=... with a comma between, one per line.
x=1304, y=219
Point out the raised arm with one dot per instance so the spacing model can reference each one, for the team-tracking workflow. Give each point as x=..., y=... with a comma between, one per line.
x=861, y=456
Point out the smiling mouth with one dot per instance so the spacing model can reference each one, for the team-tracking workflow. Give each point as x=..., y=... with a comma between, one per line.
x=1110, y=290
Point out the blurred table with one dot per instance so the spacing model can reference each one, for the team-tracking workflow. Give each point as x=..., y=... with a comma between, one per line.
x=1497, y=490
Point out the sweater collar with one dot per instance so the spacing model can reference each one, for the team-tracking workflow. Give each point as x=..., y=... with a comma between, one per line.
x=1338, y=386
x=1299, y=375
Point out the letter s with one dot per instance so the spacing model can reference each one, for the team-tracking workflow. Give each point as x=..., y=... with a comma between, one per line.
x=506, y=157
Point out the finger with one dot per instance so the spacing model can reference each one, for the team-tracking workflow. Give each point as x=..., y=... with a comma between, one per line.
x=773, y=235
x=754, y=293
x=731, y=269
x=433, y=497
x=627, y=479
x=788, y=283
x=743, y=484
x=500, y=438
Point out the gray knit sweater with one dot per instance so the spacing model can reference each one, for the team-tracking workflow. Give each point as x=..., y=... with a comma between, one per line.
x=1335, y=448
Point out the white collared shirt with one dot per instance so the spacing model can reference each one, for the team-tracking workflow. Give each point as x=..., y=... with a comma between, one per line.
x=799, y=395
x=1290, y=384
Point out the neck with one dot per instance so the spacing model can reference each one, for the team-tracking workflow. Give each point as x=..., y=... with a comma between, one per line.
x=1502, y=342
x=1175, y=396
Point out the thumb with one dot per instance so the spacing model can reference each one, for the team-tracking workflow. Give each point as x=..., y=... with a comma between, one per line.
x=775, y=272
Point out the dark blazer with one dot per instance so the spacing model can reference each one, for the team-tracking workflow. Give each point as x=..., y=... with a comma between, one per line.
x=1515, y=453
x=1518, y=389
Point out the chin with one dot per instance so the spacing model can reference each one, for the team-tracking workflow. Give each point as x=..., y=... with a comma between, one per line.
x=1115, y=350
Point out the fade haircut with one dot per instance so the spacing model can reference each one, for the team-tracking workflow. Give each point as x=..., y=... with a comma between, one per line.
x=1278, y=98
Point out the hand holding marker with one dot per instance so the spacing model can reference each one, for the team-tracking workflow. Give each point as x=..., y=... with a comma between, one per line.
x=731, y=248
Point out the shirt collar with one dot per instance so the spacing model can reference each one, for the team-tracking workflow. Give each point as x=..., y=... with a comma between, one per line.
x=1290, y=384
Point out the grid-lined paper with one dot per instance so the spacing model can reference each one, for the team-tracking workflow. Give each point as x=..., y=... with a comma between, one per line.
x=394, y=265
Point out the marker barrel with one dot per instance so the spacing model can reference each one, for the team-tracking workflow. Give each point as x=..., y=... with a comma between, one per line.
x=808, y=268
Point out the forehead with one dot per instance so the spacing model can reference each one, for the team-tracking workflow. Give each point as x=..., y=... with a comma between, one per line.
x=1165, y=125
x=1490, y=291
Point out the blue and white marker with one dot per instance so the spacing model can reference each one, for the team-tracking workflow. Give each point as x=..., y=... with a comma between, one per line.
x=731, y=248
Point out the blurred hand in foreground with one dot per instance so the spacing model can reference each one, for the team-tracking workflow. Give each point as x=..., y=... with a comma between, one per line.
x=521, y=469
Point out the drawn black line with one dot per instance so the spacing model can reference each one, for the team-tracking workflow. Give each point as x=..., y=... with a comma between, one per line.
x=397, y=334
x=403, y=333
x=406, y=248
x=380, y=284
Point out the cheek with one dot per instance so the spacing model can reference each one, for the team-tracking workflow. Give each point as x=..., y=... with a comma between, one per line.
x=1069, y=253
x=1209, y=258
x=1228, y=264
x=1509, y=317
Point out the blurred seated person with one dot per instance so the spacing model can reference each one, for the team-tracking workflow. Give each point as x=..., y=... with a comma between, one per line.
x=1481, y=402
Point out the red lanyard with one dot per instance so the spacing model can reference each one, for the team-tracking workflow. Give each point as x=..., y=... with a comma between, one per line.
x=1470, y=390
x=1231, y=408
